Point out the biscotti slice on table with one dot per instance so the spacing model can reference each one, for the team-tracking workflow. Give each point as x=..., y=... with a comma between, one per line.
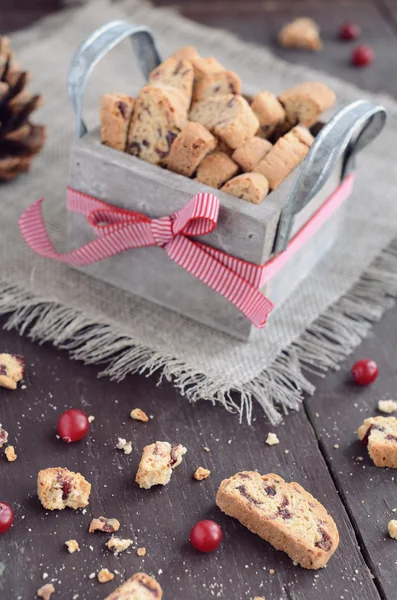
x=229, y=117
x=115, y=113
x=177, y=73
x=157, y=462
x=189, y=148
x=380, y=435
x=305, y=102
x=302, y=33
x=252, y=187
x=249, y=155
x=269, y=112
x=285, y=155
x=217, y=84
x=159, y=115
x=215, y=169
x=138, y=587
x=12, y=368
x=186, y=53
x=283, y=514
x=59, y=488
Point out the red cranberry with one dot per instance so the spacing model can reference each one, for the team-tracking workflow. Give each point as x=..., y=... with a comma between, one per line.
x=362, y=56
x=350, y=31
x=6, y=517
x=73, y=425
x=365, y=371
x=206, y=536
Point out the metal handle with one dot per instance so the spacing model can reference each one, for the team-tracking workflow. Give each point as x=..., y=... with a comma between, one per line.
x=350, y=130
x=99, y=43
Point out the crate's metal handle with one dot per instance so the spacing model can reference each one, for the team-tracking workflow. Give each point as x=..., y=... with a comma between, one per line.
x=350, y=130
x=99, y=43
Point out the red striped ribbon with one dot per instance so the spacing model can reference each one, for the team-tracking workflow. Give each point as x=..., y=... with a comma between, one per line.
x=119, y=230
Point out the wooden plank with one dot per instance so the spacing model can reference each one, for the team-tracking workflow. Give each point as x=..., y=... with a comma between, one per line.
x=337, y=410
x=159, y=519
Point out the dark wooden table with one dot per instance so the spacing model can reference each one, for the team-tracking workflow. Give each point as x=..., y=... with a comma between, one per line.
x=318, y=448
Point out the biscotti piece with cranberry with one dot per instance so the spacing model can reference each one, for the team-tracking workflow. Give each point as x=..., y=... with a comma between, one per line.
x=249, y=155
x=204, y=66
x=283, y=514
x=159, y=115
x=189, y=148
x=305, y=102
x=380, y=435
x=216, y=169
x=59, y=488
x=303, y=33
x=138, y=587
x=12, y=368
x=177, y=73
x=157, y=462
x=229, y=117
x=186, y=53
x=269, y=112
x=286, y=154
x=115, y=114
x=252, y=187
x=217, y=84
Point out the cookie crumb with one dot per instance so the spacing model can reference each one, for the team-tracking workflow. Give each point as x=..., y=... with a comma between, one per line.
x=12, y=368
x=336, y=446
x=91, y=576
x=72, y=546
x=387, y=406
x=44, y=576
x=138, y=415
x=201, y=473
x=122, y=444
x=272, y=439
x=141, y=551
x=104, y=524
x=3, y=436
x=392, y=527
x=117, y=545
x=10, y=453
x=286, y=451
x=259, y=598
x=91, y=418
x=272, y=571
x=105, y=575
x=45, y=591
x=206, y=449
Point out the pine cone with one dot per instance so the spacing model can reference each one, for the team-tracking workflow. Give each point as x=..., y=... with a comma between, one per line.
x=20, y=140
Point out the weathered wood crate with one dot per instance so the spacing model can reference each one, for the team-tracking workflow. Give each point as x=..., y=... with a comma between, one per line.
x=254, y=233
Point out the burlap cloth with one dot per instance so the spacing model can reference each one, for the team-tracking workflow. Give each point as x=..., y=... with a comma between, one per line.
x=322, y=323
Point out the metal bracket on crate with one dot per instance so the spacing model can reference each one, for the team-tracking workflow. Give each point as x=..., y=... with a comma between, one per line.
x=95, y=47
x=350, y=130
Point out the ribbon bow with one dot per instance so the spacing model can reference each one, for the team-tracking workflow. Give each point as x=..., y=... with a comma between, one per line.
x=119, y=230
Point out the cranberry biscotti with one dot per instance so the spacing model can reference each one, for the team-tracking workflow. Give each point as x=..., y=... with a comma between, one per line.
x=138, y=587
x=380, y=435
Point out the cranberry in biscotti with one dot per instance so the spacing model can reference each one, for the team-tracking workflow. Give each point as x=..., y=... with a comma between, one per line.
x=59, y=488
x=12, y=368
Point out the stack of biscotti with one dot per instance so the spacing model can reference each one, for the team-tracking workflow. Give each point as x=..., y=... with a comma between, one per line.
x=192, y=119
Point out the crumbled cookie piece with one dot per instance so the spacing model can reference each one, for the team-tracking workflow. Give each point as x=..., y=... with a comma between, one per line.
x=105, y=575
x=283, y=514
x=141, y=551
x=12, y=368
x=157, y=462
x=249, y=155
x=201, y=473
x=177, y=73
x=91, y=418
x=386, y=406
x=251, y=187
x=302, y=33
x=104, y=524
x=115, y=114
x=215, y=169
x=380, y=435
x=191, y=145
x=3, y=436
x=72, y=546
x=392, y=527
x=272, y=439
x=305, y=102
x=269, y=111
x=186, y=53
x=122, y=444
x=59, y=488
x=117, y=545
x=138, y=587
x=138, y=415
x=10, y=453
x=45, y=591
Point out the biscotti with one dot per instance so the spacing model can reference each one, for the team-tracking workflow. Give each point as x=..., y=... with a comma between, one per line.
x=12, y=368
x=189, y=148
x=302, y=33
x=216, y=169
x=157, y=462
x=217, y=84
x=177, y=73
x=159, y=115
x=138, y=587
x=380, y=435
x=269, y=112
x=252, y=187
x=283, y=514
x=249, y=155
x=229, y=117
x=59, y=488
x=186, y=53
x=305, y=102
x=115, y=114
x=205, y=66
